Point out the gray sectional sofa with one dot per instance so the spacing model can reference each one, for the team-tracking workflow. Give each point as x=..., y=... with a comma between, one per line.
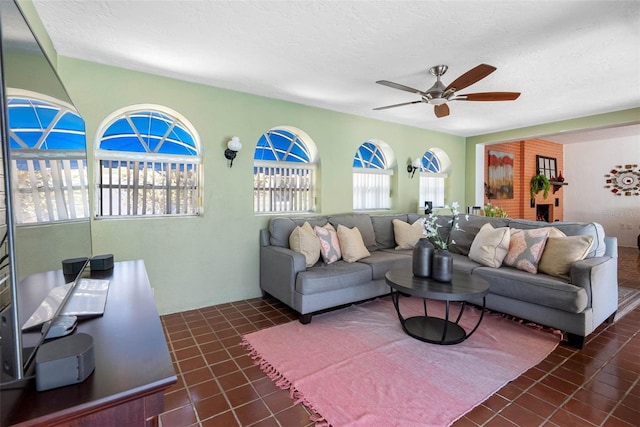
x=576, y=305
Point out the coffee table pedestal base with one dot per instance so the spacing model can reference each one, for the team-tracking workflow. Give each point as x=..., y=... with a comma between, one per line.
x=435, y=330
x=430, y=329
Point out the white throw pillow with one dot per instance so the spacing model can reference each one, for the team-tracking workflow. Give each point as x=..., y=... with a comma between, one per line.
x=351, y=244
x=304, y=240
x=490, y=245
x=407, y=235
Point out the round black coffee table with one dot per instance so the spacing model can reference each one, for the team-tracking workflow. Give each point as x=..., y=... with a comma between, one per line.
x=462, y=288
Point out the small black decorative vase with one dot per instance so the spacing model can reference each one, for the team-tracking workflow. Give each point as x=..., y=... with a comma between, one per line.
x=422, y=253
x=442, y=268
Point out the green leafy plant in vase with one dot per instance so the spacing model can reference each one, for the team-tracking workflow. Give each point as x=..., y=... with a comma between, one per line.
x=494, y=211
x=539, y=183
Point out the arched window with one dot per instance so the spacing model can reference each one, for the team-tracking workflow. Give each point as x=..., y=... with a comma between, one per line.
x=433, y=168
x=372, y=176
x=148, y=162
x=48, y=156
x=284, y=165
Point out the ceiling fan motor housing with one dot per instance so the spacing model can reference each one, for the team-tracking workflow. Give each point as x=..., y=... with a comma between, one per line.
x=435, y=94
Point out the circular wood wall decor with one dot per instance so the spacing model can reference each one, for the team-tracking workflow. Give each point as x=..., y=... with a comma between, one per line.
x=623, y=180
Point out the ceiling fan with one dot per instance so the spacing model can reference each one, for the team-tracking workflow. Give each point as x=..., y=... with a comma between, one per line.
x=438, y=95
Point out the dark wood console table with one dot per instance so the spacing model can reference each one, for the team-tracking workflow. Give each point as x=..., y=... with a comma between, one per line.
x=133, y=367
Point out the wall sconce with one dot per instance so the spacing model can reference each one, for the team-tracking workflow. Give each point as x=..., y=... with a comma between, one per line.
x=233, y=146
x=413, y=167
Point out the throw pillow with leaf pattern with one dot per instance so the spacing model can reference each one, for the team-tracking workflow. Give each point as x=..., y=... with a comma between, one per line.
x=526, y=248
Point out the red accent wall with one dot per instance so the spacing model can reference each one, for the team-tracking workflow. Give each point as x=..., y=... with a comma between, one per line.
x=524, y=168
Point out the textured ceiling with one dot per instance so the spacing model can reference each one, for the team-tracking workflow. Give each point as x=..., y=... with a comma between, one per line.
x=568, y=58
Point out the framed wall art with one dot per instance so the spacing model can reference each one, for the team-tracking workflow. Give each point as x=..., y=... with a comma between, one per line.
x=500, y=175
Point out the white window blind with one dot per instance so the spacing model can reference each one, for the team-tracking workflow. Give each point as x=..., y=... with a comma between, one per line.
x=371, y=189
x=432, y=188
x=148, y=187
x=283, y=187
x=50, y=186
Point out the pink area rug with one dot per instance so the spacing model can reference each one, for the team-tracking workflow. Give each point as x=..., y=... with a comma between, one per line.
x=356, y=367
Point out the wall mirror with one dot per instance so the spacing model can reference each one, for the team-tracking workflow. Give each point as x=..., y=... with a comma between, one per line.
x=546, y=166
x=45, y=169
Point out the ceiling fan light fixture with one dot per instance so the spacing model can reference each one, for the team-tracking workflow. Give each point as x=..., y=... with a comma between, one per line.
x=437, y=101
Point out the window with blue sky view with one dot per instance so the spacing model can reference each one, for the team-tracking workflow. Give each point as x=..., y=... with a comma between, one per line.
x=48, y=156
x=283, y=172
x=371, y=178
x=149, y=164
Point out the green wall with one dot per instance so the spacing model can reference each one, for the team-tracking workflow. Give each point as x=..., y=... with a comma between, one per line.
x=198, y=261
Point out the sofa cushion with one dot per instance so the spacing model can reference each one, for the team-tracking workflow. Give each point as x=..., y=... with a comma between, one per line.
x=525, y=248
x=460, y=239
x=304, y=240
x=385, y=260
x=363, y=222
x=407, y=235
x=351, y=244
x=329, y=243
x=560, y=252
x=534, y=288
x=280, y=228
x=490, y=245
x=594, y=229
x=279, y=231
x=464, y=264
x=383, y=229
x=328, y=277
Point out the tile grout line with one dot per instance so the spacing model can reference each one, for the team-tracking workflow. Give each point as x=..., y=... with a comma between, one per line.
x=581, y=387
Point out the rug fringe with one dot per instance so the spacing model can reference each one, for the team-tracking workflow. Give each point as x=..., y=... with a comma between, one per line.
x=528, y=323
x=284, y=384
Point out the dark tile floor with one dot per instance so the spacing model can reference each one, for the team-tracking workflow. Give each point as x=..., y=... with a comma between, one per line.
x=218, y=385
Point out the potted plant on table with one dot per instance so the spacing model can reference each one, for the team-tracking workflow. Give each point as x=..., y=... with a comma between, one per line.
x=442, y=263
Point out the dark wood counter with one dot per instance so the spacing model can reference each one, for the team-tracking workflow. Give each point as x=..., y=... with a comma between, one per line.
x=132, y=362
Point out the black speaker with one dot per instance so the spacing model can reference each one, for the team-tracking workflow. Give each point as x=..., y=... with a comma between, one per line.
x=72, y=266
x=102, y=262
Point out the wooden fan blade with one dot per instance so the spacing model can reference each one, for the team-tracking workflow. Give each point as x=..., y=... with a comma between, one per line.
x=470, y=77
x=399, y=86
x=488, y=96
x=441, y=110
x=398, y=105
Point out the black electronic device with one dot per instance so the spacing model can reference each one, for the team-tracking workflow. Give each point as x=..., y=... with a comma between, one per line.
x=73, y=266
x=428, y=207
x=102, y=262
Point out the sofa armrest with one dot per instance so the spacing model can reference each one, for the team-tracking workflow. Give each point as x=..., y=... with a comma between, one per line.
x=278, y=270
x=599, y=277
x=611, y=246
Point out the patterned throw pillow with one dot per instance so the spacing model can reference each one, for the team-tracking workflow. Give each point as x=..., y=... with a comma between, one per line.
x=526, y=248
x=304, y=240
x=407, y=235
x=329, y=243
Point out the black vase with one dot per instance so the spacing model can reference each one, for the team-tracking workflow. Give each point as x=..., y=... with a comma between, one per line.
x=422, y=253
x=442, y=267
